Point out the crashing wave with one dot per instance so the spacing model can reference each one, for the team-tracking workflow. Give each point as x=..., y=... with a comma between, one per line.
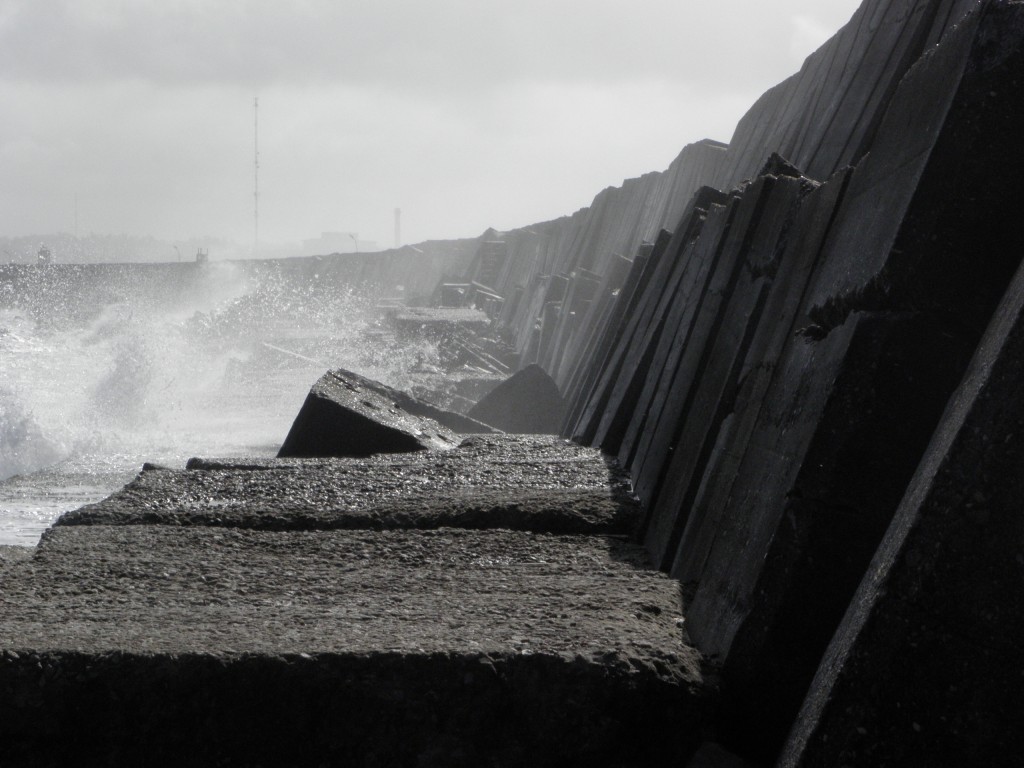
x=23, y=446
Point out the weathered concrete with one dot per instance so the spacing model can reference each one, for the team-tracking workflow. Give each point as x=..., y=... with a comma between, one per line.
x=822, y=119
x=841, y=431
x=528, y=402
x=696, y=264
x=346, y=414
x=826, y=115
x=929, y=222
x=611, y=402
x=12, y=555
x=926, y=668
x=697, y=392
x=781, y=316
x=593, y=398
x=541, y=484
x=455, y=422
x=602, y=341
x=589, y=325
x=774, y=460
x=161, y=646
x=925, y=226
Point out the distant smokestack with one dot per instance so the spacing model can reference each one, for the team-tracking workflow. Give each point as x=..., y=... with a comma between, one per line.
x=398, y=227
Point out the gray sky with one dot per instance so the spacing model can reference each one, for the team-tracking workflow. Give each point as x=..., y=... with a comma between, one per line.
x=464, y=113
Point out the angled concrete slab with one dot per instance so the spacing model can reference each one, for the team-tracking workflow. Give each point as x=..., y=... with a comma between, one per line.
x=926, y=667
x=346, y=414
x=527, y=402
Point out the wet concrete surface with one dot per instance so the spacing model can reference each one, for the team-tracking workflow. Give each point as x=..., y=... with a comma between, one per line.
x=144, y=589
x=536, y=483
x=429, y=632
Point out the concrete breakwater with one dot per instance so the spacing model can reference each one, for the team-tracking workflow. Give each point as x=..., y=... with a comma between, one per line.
x=776, y=374
x=810, y=376
x=455, y=607
x=778, y=365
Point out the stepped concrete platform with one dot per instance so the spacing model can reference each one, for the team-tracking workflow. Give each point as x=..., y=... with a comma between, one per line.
x=535, y=483
x=216, y=644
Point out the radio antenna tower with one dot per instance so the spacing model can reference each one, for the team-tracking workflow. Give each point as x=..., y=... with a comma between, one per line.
x=256, y=175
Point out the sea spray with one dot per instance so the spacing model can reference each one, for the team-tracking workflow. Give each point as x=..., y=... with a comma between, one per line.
x=23, y=446
x=104, y=367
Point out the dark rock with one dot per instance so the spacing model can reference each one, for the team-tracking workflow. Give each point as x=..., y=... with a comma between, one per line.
x=348, y=415
x=528, y=402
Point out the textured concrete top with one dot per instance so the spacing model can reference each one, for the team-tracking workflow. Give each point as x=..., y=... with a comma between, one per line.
x=537, y=483
x=147, y=589
x=183, y=633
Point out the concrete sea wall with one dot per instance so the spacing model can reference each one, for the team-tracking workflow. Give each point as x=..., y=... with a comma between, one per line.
x=787, y=521
x=772, y=365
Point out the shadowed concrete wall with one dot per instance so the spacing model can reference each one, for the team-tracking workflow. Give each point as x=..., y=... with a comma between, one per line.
x=774, y=381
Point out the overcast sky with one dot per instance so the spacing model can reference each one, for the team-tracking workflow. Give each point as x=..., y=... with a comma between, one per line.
x=463, y=113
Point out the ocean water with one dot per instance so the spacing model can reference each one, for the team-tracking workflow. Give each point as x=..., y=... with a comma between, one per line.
x=104, y=368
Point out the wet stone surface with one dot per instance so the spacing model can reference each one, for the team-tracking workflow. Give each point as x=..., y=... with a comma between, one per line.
x=218, y=615
x=156, y=645
x=159, y=589
x=535, y=483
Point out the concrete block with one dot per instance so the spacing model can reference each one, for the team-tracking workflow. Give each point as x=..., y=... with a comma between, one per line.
x=826, y=116
x=148, y=645
x=625, y=302
x=712, y=755
x=546, y=485
x=925, y=668
x=619, y=375
x=927, y=223
x=780, y=318
x=696, y=266
x=349, y=415
x=696, y=392
x=528, y=402
x=624, y=380
x=840, y=433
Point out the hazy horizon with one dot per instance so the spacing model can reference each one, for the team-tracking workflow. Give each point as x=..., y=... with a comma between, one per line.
x=136, y=118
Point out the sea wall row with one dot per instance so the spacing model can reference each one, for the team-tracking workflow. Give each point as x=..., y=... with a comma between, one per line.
x=767, y=337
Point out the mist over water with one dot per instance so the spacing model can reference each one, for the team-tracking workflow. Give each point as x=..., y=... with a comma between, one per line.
x=104, y=368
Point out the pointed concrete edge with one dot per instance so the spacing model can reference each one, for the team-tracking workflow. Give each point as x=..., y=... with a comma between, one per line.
x=346, y=414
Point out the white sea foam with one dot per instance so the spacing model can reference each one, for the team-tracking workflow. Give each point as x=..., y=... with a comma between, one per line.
x=217, y=363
